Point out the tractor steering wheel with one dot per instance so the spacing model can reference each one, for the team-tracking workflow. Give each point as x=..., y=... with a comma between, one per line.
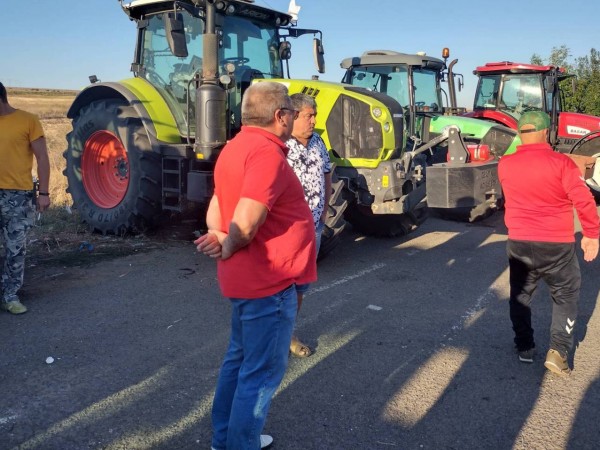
x=238, y=61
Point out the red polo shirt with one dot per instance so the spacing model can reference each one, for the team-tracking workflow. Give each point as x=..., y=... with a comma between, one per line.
x=253, y=165
x=541, y=187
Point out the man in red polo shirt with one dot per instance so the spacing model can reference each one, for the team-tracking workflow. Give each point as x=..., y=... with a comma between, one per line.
x=261, y=232
x=541, y=188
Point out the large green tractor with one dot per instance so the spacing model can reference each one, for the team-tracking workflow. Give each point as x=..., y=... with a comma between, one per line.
x=396, y=147
x=147, y=146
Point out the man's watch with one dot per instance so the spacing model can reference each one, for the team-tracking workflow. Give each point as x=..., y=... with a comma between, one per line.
x=45, y=194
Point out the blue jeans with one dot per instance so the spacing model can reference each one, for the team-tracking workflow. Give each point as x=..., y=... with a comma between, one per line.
x=253, y=367
x=302, y=288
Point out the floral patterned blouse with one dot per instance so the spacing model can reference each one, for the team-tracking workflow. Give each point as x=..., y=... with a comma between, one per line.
x=310, y=165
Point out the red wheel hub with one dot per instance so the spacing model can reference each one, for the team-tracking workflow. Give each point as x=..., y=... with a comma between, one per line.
x=105, y=169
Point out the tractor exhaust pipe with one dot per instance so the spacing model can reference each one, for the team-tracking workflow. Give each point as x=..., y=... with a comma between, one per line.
x=211, y=98
x=451, y=87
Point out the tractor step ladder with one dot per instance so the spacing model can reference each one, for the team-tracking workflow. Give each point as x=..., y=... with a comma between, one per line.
x=173, y=183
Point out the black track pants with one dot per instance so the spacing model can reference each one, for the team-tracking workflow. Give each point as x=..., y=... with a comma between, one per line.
x=557, y=265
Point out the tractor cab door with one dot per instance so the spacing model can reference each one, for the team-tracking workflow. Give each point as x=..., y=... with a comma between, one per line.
x=159, y=64
x=248, y=50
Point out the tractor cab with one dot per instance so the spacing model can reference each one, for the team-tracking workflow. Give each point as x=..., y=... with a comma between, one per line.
x=506, y=90
x=412, y=80
x=225, y=44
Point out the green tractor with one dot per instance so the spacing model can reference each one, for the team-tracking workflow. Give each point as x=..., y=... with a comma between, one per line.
x=145, y=147
x=396, y=147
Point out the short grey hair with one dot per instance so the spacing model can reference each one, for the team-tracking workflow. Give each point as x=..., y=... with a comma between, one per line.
x=260, y=102
x=301, y=101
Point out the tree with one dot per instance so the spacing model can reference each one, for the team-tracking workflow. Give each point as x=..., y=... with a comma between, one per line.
x=585, y=98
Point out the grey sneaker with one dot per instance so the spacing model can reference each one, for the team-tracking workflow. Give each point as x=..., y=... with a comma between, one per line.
x=14, y=307
x=557, y=363
x=526, y=356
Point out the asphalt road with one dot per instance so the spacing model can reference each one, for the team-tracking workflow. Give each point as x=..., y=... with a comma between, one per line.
x=413, y=351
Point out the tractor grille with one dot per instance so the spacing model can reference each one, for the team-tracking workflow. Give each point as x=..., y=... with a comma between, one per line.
x=352, y=131
x=498, y=139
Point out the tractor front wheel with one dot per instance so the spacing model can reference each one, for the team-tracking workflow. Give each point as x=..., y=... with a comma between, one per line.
x=113, y=175
x=335, y=223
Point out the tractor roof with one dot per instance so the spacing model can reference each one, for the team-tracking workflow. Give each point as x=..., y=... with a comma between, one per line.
x=136, y=8
x=513, y=67
x=382, y=57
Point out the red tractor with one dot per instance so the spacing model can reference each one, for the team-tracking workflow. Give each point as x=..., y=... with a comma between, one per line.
x=506, y=90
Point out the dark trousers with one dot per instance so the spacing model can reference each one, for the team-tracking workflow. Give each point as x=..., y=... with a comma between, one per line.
x=557, y=265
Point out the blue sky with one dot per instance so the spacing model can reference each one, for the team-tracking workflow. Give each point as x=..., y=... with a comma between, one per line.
x=58, y=44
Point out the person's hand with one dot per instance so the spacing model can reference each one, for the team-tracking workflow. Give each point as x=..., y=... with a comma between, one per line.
x=42, y=202
x=209, y=245
x=590, y=248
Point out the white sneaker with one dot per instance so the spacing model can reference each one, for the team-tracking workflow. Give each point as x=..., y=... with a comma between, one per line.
x=265, y=441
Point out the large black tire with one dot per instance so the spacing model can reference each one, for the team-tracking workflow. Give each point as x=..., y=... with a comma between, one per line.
x=335, y=223
x=384, y=225
x=113, y=175
x=589, y=145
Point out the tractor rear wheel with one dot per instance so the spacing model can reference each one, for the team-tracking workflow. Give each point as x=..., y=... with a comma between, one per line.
x=589, y=146
x=335, y=223
x=113, y=175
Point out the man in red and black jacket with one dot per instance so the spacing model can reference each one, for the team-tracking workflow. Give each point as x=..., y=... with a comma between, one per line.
x=541, y=187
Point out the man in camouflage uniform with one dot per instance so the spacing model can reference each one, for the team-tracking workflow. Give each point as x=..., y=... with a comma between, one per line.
x=21, y=138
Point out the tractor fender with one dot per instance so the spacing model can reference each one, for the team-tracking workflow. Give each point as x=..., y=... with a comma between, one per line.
x=145, y=100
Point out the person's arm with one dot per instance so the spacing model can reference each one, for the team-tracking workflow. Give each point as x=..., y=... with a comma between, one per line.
x=211, y=243
x=585, y=206
x=40, y=152
x=590, y=248
x=248, y=216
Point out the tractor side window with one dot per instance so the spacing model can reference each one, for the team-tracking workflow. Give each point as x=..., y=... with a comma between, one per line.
x=397, y=85
x=169, y=74
x=549, y=95
x=487, y=92
x=426, y=90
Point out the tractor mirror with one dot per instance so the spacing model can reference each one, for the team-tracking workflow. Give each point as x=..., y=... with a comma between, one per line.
x=175, y=34
x=318, y=53
x=551, y=81
x=285, y=50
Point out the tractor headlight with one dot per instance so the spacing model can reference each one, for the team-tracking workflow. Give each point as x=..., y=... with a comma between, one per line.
x=386, y=127
x=377, y=112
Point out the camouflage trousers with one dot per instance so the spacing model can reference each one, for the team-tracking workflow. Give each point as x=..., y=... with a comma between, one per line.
x=16, y=218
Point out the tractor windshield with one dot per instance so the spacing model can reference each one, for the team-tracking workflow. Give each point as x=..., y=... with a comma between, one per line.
x=251, y=46
x=389, y=80
x=512, y=94
x=520, y=93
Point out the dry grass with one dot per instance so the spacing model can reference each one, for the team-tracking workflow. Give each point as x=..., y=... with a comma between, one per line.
x=59, y=235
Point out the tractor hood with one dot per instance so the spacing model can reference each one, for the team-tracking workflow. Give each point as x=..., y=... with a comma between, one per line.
x=500, y=139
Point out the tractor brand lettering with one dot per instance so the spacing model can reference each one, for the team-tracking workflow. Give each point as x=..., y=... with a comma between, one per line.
x=254, y=14
x=571, y=129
